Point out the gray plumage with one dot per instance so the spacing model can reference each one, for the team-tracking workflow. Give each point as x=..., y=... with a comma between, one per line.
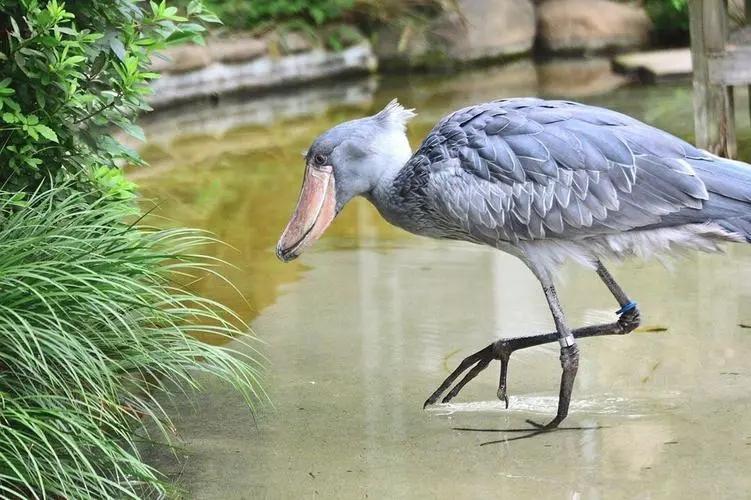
x=547, y=180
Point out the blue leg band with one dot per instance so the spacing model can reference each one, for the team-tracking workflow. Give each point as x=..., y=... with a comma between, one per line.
x=626, y=308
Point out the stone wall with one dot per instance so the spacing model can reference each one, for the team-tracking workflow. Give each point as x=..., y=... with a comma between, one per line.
x=245, y=64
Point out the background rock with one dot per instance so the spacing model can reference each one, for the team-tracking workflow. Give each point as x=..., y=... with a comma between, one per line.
x=236, y=48
x=487, y=29
x=397, y=46
x=481, y=29
x=591, y=25
x=182, y=59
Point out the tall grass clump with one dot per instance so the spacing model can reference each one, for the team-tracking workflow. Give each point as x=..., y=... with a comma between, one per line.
x=94, y=325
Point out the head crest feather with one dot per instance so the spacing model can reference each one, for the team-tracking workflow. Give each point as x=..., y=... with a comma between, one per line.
x=394, y=114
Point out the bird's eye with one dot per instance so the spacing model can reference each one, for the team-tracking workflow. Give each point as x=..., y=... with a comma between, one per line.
x=319, y=159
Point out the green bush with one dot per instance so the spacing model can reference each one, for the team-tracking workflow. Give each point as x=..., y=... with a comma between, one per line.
x=670, y=19
x=91, y=326
x=241, y=14
x=307, y=15
x=68, y=74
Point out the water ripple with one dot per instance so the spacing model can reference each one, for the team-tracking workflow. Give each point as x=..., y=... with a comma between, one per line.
x=603, y=405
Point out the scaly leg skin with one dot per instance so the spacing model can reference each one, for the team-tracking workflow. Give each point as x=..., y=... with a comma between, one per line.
x=569, y=365
x=502, y=349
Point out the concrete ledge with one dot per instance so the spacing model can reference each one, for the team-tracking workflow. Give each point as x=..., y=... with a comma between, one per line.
x=656, y=65
x=263, y=72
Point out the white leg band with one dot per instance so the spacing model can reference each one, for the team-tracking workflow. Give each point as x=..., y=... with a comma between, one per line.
x=567, y=341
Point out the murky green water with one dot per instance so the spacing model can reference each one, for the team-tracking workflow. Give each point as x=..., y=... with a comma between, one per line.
x=363, y=327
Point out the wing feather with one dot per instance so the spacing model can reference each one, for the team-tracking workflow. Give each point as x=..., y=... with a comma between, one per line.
x=525, y=169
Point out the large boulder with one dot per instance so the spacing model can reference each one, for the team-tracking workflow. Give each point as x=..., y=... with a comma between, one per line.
x=480, y=29
x=398, y=46
x=488, y=29
x=591, y=25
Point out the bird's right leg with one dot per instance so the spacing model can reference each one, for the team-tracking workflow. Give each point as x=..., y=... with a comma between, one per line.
x=501, y=350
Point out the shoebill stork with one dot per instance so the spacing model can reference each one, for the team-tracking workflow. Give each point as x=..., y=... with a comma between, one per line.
x=542, y=180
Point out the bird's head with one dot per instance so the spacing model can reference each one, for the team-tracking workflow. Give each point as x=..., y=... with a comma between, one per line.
x=343, y=162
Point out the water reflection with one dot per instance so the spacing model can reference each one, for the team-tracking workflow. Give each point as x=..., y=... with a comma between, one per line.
x=364, y=326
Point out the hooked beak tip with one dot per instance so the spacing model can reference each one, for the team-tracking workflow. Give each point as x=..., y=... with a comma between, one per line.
x=285, y=255
x=316, y=208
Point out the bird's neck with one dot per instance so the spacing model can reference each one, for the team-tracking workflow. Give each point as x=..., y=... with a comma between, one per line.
x=394, y=153
x=385, y=194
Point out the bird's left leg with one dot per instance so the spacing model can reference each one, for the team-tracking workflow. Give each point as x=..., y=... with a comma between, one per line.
x=569, y=352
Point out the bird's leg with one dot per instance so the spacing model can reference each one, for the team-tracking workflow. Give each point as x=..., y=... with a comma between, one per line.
x=569, y=353
x=623, y=300
x=569, y=349
x=501, y=350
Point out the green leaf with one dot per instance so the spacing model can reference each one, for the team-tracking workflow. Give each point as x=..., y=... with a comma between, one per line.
x=194, y=7
x=117, y=47
x=73, y=60
x=29, y=129
x=99, y=61
x=41, y=98
x=67, y=31
x=9, y=118
x=208, y=17
x=15, y=31
x=46, y=132
x=133, y=130
x=13, y=105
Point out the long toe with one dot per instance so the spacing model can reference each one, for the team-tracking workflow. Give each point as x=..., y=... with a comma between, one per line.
x=553, y=424
x=478, y=361
x=431, y=400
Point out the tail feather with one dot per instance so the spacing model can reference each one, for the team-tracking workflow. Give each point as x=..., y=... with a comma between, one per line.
x=727, y=178
x=740, y=226
x=729, y=185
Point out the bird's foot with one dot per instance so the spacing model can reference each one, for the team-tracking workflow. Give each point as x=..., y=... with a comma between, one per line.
x=628, y=318
x=553, y=424
x=478, y=361
x=500, y=350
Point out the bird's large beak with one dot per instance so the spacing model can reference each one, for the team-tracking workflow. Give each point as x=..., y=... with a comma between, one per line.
x=315, y=210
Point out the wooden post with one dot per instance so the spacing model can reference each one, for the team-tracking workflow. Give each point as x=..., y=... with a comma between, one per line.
x=747, y=17
x=714, y=119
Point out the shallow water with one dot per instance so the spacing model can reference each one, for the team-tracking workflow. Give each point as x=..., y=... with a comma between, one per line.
x=365, y=325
